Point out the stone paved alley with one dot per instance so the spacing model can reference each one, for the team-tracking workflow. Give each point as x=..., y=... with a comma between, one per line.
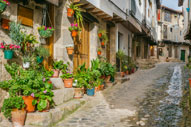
x=118, y=106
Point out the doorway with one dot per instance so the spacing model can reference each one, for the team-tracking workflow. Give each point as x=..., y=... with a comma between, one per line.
x=183, y=55
x=81, y=48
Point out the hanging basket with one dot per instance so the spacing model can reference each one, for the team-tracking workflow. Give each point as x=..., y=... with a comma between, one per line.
x=45, y=33
x=70, y=50
x=8, y=54
x=3, y=7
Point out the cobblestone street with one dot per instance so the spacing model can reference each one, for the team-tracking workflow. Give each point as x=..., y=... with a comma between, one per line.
x=114, y=106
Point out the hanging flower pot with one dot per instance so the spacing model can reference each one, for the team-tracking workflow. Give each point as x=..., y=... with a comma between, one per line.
x=39, y=59
x=74, y=29
x=74, y=33
x=102, y=43
x=28, y=102
x=8, y=54
x=70, y=50
x=3, y=5
x=91, y=92
x=99, y=35
x=45, y=32
x=70, y=12
x=18, y=117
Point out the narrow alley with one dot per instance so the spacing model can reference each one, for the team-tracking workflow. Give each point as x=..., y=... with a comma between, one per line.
x=149, y=99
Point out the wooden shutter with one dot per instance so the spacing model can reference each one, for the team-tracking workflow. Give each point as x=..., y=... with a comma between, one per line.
x=25, y=15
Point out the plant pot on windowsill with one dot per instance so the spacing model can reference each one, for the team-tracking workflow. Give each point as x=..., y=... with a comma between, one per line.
x=70, y=12
x=70, y=50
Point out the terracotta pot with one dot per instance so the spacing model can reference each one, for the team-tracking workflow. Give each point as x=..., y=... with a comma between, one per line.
x=100, y=35
x=99, y=52
x=68, y=83
x=107, y=78
x=78, y=93
x=70, y=12
x=122, y=74
x=70, y=50
x=74, y=33
x=97, y=88
x=56, y=73
x=5, y=24
x=127, y=72
x=47, y=107
x=101, y=87
x=102, y=43
x=18, y=117
x=189, y=82
x=28, y=102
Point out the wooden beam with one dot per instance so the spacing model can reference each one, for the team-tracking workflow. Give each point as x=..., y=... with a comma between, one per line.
x=86, y=6
x=108, y=18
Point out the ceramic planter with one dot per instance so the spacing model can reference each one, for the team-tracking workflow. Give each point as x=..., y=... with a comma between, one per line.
x=70, y=12
x=39, y=59
x=70, y=50
x=3, y=6
x=56, y=73
x=68, y=83
x=74, y=33
x=28, y=102
x=18, y=117
x=26, y=65
x=107, y=78
x=91, y=92
x=78, y=93
x=99, y=53
x=8, y=54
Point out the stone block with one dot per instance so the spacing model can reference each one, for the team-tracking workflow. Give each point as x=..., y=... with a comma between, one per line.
x=63, y=95
x=57, y=83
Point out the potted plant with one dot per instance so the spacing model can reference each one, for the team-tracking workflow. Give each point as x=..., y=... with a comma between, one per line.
x=42, y=53
x=74, y=29
x=99, y=52
x=8, y=49
x=3, y=5
x=26, y=62
x=70, y=50
x=107, y=70
x=13, y=108
x=67, y=78
x=57, y=66
x=120, y=55
x=79, y=88
x=45, y=32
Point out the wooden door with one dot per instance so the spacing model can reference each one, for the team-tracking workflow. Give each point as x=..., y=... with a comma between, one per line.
x=50, y=41
x=183, y=55
x=81, y=48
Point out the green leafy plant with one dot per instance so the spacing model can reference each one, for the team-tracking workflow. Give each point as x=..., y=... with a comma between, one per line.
x=66, y=75
x=107, y=69
x=31, y=39
x=16, y=33
x=74, y=27
x=120, y=55
x=26, y=59
x=42, y=52
x=10, y=104
x=45, y=32
x=59, y=65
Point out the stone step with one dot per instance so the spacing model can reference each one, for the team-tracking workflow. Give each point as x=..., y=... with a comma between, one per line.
x=63, y=95
x=57, y=83
x=48, y=119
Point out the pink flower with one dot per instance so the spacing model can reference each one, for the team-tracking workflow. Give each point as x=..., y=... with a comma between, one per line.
x=18, y=46
x=45, y=28
x=50, y=27
x=2, y=47
x=76, y=25
x=11, y=47
x=45, y=92
x=32, y=94
x=72, y=24
x=43, y=79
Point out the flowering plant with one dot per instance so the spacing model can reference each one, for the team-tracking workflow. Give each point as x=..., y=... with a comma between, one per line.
x=5, y=2
x=74, y=27
x=9, y=46
x=45, y=32
x=66, y=75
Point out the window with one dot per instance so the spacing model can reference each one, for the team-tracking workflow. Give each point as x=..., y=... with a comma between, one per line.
x=165, y=32
x=167, y=16
x=169, y=51
x=138, y=51
x=25, y=15
x=171, y=29
x=160, y=52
